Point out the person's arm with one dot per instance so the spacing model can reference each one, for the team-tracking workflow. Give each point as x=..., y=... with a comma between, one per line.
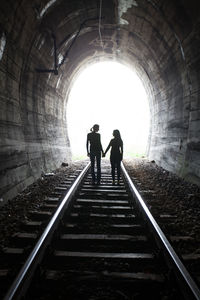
x=122, y=149
x=107, y=148
x=87, y=146
x=101, y=145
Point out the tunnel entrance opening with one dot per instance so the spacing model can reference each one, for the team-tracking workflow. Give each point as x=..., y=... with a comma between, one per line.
x=111, y=95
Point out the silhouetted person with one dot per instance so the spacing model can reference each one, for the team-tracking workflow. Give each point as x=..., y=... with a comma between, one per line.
x=116, y=154
x=94, y=150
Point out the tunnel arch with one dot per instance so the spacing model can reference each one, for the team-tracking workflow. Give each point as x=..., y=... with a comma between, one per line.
x=158, y=39
x=113, y=99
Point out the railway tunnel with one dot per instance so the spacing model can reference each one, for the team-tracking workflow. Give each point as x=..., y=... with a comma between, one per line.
x=45, y=44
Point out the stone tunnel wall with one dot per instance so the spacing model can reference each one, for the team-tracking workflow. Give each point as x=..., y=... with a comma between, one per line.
x=176, y=108
x=33, y=128
x=158, y=38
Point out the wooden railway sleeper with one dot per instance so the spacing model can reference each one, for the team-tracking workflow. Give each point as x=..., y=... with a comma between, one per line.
x=102, y=264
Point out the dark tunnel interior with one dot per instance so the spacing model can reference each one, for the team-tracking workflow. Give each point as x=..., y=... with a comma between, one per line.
x=44, y=45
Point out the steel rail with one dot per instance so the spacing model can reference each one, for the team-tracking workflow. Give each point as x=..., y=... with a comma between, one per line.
x=175, y=260
x=20, y=284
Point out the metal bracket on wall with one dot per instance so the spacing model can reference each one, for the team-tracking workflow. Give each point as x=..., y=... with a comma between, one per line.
x=56, y=65
x=55, y=70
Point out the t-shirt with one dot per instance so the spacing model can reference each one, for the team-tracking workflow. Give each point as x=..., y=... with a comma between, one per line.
x=95, y=141
x=115, y=146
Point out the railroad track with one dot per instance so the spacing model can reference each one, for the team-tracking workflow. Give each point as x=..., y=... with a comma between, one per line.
x=101, y=243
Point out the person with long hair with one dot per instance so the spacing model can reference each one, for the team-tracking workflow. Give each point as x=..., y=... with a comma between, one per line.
x=116, y=155
x=94, y=150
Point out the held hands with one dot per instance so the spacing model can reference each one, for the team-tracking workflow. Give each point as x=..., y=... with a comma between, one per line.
x=103, y=154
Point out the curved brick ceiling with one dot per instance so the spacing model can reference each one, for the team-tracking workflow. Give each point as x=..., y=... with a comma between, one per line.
x=158, y=38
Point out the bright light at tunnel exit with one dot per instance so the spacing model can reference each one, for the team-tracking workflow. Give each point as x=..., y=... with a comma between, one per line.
x=112, y=95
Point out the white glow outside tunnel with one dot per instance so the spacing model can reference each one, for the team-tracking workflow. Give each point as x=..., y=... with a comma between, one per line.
x=111, y=95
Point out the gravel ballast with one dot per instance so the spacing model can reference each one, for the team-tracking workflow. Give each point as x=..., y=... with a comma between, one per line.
x=173, y=196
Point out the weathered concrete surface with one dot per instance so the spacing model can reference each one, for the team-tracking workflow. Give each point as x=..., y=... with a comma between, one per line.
x=160, y=39
x=33, y=125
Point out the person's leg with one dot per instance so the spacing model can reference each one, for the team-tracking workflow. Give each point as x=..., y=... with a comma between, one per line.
x=113, y=169
x=118, y=171
x=92, y=159
x=98, y=158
